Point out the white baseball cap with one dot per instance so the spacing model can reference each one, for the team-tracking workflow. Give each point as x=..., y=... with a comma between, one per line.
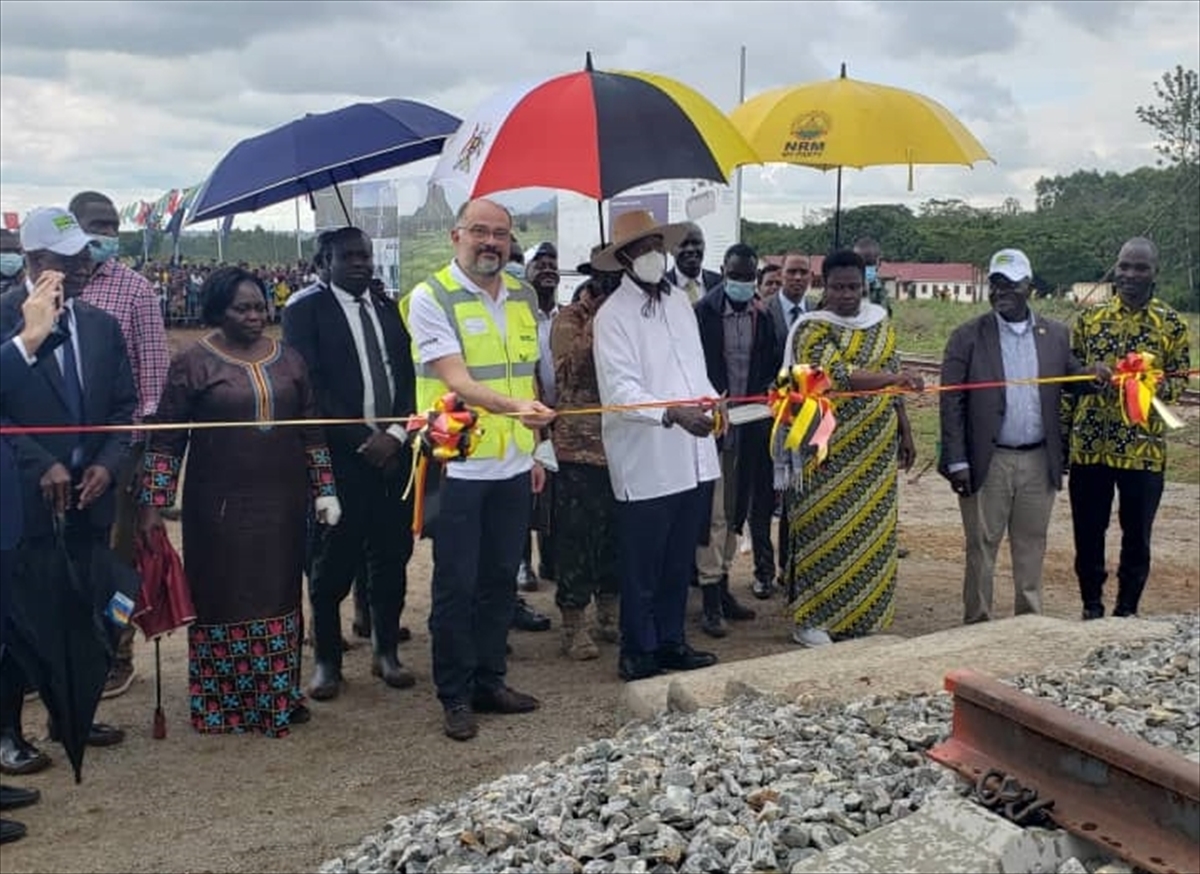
x=1011, y=263
x=51, y=229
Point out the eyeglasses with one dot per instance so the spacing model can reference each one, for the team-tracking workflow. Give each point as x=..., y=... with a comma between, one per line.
x=479, y=233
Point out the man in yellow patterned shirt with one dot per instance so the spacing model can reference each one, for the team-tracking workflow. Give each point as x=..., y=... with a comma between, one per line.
x=1106, y=454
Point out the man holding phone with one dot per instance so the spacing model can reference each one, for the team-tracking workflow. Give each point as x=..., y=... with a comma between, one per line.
x=86, y=380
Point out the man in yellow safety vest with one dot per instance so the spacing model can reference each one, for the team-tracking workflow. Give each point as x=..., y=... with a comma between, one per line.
x=475, y=333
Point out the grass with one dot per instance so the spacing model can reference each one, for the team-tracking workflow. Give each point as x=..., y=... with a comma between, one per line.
x=924, y=326
x=1183, y=446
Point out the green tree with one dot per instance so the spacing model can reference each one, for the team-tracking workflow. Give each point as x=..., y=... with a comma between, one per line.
x=1176, y=119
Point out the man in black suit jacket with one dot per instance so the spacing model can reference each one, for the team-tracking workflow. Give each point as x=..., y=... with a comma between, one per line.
x=357, y=351
x=1002, y=448
x=745, y=487
x=40, y=314
x=87, y=380
x=688, y=272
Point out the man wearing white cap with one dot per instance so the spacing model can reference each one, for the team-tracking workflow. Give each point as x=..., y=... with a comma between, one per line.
x=87, y=380
x=1003, y=448
x=647, y=349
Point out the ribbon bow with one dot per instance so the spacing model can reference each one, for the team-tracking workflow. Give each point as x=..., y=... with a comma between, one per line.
x=449, y=432
x=1137, y=379
x=798, y=402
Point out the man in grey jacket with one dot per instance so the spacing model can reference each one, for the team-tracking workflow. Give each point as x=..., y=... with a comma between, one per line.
x=1003, y=448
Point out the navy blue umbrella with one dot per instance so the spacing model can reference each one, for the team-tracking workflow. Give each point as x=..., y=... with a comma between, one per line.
x=319, y=151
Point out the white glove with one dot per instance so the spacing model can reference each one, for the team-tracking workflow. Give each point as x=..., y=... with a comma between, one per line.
x=329, y=510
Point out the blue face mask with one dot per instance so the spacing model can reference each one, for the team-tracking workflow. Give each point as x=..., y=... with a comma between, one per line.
x=11, y=264
x=872, y=272
x=104, y=248
x=739, y=292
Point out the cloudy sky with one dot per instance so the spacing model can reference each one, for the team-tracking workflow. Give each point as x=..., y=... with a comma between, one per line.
x=134, y=98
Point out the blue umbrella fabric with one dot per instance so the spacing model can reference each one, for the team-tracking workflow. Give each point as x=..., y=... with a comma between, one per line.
x=319, y=151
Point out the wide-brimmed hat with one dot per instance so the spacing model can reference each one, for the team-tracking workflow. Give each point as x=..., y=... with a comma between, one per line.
x=629, y=227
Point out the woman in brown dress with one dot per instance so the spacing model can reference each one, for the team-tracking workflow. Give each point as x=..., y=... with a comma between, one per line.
x=247, y=491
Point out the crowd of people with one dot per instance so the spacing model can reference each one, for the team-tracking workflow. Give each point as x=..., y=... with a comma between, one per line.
x=632, y=505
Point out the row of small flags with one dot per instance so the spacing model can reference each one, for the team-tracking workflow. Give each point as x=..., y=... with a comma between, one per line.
x=165, y=214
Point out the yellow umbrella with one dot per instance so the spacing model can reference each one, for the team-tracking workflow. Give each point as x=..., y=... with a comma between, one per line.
x=845, y=122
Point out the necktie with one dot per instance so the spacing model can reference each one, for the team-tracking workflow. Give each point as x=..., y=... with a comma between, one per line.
x=795, y=314
x=73, y=388
x=692, y=290
x=379, y=379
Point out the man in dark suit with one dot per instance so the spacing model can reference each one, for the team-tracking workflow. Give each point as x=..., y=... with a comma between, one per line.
x=357, y=351
x=40, y=312
x=738, y=338
x=1002, y=448
x=87, y=380
x=688, y=272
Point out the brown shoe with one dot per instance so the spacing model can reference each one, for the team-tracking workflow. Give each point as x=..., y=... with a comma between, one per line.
x=120, y=678
x=504, y=700
x=460, y=723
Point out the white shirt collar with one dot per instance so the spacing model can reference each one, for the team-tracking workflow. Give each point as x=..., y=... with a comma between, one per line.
x=347, y=297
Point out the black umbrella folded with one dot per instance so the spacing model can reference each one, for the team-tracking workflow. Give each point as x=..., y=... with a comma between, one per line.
x=66, y=615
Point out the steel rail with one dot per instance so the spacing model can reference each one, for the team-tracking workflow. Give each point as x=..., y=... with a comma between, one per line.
x=1136, y=801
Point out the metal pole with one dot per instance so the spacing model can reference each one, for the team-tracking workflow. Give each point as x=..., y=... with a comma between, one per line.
x=220, y=253
x=299, y=254
x=737, y=178
x=837, y=214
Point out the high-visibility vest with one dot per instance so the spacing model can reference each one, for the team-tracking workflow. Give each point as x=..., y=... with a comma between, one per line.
x=505, y=364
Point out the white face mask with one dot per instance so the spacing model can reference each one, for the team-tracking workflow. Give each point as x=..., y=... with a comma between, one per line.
x=650, y=267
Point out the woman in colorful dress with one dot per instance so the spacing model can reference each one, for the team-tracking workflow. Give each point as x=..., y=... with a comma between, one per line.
x=247, y=492
x=842, y=512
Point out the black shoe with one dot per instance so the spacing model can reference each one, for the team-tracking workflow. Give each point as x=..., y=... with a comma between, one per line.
x=525, y=618
x=326, y=682
x=730, y=608
x=403, y=634
x=361, y=629
x=637, y=667
x=762, y=589
x=11, y=830
x=503, y=700
x=1093, y=611
x=99, y=735
x=712, y=620
x=683, y=658
x=12, y=797
x=902, y=552
x=460, y=723
x=1125, y=612
x=300, y=715
x=18, y=757
x=389, y=669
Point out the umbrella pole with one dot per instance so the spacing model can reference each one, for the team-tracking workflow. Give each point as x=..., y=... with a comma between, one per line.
x=160, y=719
x=837, y=210
x=345, y=211
x=600, y=217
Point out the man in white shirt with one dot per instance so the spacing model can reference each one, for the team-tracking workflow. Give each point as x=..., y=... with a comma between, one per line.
x=475, y=334
x=646, y=349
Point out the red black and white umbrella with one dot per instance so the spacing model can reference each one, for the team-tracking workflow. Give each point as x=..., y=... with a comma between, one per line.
x=594, y=132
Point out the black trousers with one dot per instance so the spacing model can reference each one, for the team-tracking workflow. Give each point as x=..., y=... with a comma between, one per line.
x=1091, y=488
x=656, y=548
x=482, y=528
x=375, y=531
x=762, y=507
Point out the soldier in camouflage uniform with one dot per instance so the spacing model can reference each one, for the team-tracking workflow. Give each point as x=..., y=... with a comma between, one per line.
x=584, y=506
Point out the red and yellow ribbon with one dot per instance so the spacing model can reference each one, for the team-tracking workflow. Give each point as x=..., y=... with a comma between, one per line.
x=448, y=432
x=798, y=402
x=1137, y=378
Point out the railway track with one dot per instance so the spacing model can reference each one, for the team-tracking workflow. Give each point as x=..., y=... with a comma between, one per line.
x=933, y=367
x=1132, y=799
